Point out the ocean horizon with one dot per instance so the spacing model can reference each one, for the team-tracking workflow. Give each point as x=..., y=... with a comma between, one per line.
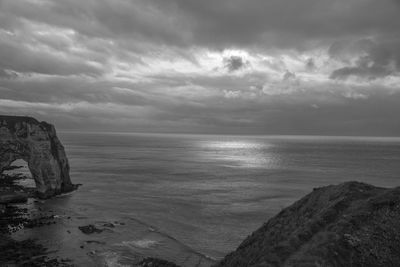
x=71, y=131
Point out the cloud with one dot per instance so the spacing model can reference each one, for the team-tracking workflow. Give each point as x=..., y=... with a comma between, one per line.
x=376, y=59
x=4, y=74
x=362, y=70
x=284, y=23
x=24, y=52
x=224, y=66
x=288, y=76
x=355, y=95
x=240, y=23
x=235, y=63
x=310, y=64
x=232, y=94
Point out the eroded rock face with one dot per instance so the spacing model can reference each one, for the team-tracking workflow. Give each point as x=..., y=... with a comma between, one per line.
x=351, y=224
x=36, y=143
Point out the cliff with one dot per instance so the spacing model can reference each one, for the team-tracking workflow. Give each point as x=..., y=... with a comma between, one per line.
x=36, y=143
x=351, y=224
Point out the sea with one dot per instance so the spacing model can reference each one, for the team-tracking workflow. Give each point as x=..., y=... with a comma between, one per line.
x=191, y=199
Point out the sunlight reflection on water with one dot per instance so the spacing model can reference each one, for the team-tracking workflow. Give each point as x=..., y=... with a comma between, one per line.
x=239, y=154
x=233, y=145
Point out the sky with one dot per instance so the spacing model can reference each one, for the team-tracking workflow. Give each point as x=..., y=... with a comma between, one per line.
x=315, y=67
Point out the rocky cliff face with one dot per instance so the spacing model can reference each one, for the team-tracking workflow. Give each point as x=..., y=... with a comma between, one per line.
x=36, y=143
x=351, y=224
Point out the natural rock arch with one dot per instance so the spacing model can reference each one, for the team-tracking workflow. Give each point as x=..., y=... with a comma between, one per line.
x=36, y=143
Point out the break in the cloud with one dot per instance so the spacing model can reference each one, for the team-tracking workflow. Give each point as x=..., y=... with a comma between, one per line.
x=227, y=66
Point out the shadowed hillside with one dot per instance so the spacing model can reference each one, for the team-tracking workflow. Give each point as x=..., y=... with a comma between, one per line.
x=351, y=224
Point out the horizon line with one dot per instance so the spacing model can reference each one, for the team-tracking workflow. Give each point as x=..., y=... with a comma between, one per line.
x=223, y=134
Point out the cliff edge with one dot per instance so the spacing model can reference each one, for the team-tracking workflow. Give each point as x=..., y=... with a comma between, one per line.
x=351, y=224
x=36, y=143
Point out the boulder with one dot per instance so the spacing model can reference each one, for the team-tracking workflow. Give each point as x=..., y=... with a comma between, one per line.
x=12, y=197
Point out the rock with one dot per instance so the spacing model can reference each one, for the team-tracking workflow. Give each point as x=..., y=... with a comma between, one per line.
x=23, y=252
x=10, y=168
x=12, y=197
x=351, y=224
x=90, y=229
x=95, y=242
x=36, y=143
x=154, y=262
x=109, y=225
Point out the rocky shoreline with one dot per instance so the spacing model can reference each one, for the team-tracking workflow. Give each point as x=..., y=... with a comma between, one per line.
x=334, y=225
x=14, y=216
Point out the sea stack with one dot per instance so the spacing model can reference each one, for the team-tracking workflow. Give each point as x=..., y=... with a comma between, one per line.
x=37, y=143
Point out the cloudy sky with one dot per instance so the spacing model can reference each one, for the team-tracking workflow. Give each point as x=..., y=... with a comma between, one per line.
x=211, y=66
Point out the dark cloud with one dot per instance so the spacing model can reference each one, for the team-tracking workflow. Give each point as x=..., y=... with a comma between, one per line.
x=377, y=59
x=285, y=23
x=19, y=57
x=218, y=24
x=234, y=63
x=310, y=64
x=288, y=76
x=363, y=70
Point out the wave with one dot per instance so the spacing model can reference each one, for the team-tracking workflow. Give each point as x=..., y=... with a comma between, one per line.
x=112, y=259
x=154, y=229
x=141, y=243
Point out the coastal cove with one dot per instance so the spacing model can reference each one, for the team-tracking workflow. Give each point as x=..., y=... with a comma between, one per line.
x=187, y=133
x=192, y=199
